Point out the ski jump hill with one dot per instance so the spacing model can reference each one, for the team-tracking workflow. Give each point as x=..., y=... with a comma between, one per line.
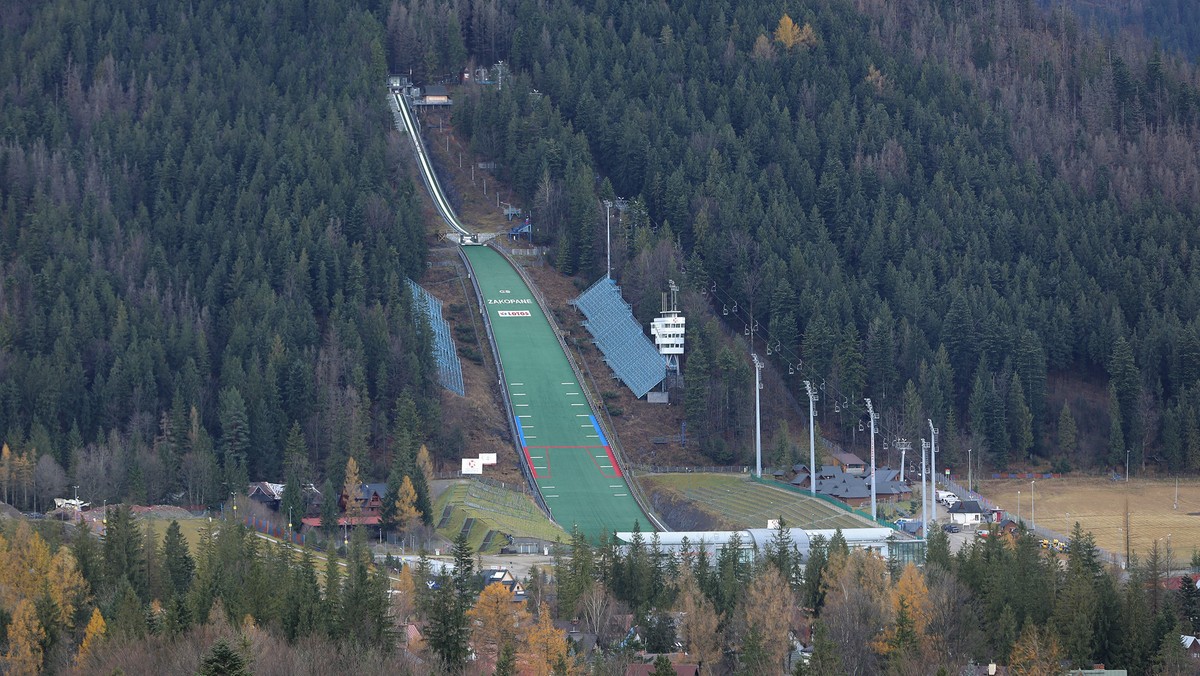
x=562, y=447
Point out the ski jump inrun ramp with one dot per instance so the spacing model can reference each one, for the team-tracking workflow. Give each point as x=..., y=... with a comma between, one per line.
x=558, y=436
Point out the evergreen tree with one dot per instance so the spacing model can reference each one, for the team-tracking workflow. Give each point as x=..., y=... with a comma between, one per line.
x=235, y=438
x=1126, y=387
x=1020, y=420
x=1116, y=434
x=223, y=660
x=295, y=454
x=124, y=557
x=1067, y=432
x=332, y=608
x=814, y=570
x=177, y=560
x=329, y=511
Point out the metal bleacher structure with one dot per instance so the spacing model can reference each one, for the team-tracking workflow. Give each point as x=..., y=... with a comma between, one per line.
x=449, y=367
x=626, y=349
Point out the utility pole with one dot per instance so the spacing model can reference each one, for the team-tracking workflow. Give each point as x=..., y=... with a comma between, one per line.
x=871, y=412
x=812, y=441
x=758, y=365
x=933, y=465
x=1127, y=465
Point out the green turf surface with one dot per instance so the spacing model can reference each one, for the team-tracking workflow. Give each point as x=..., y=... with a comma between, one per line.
x=573, y=467
x=749, y=505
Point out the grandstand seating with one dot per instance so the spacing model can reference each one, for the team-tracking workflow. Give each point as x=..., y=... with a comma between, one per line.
x=449, y=367
x=626, y=349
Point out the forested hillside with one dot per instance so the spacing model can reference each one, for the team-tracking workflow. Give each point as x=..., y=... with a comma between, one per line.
x=1173, y=22
x=940, y=206
x=203, y=242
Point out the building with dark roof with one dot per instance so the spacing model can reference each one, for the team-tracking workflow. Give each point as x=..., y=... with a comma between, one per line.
x=966, y=513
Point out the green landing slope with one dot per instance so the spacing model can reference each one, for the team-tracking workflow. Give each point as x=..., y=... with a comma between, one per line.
x=571, y=460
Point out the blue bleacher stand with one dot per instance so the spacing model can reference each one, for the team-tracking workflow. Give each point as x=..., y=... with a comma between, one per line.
x=449, y=367
x=626, y=349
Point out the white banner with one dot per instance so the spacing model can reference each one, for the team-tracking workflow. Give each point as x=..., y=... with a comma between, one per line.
x=472, y=466
x=487, y=458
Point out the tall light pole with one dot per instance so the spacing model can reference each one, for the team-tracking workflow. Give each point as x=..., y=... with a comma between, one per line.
x=1018, y=508
x=758, y=365
x=933, y=465
x=1032, y=506
x=924, y=491
x=871, y=412
x=970, y=476
x=608, y=237
x=1127, y=465
x=812, y=438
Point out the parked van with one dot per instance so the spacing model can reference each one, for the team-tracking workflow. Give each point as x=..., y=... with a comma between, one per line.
x=947, y=497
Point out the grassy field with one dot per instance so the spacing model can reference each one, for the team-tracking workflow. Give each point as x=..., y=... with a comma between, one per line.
x=492, y=508
x=1099, y=506
x=745, y=504
x=190, y=528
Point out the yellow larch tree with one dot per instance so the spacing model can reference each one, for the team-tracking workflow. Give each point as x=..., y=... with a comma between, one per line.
x=911, y=594
x=425, y=464
x=496, y=620
x=766, y=611
x=66, y=586
x=352, y=488
x=545, y=648
x=92, y=636
x=1036, y=653
x=912, y=589
x=5, y=470
x=23, y=566
x=407, y=513
x=698, y=627
x=403, y=600
x=787, y=33
x=25, y=636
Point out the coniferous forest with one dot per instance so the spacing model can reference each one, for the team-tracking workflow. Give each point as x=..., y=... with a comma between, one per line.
x=203, y=242
x=947, y=207
x=956, y=209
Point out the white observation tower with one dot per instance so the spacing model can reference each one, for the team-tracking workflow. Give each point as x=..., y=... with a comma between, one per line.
x=668, y=330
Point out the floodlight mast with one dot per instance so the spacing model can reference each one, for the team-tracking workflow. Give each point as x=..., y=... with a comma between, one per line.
x=812, y=438
x=871, y=412
x=925, y=492
x=933, y=434
x=608, y=237
x=758, y=365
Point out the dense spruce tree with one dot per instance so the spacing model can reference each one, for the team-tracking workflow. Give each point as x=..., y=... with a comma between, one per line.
x=177, y=560
x=124, y=557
